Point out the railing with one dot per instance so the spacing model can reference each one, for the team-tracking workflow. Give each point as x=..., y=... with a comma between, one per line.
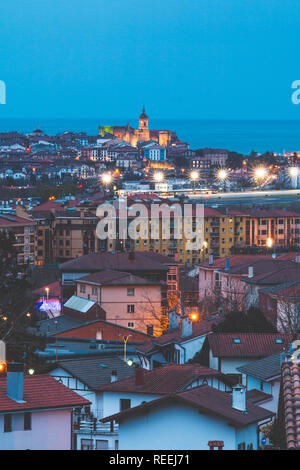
x=91, y=427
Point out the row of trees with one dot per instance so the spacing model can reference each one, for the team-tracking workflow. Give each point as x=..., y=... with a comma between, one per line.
x=17, y=312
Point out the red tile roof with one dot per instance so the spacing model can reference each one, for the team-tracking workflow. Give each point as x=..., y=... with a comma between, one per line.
x=257, y=396
x=291, y=403
x=13, y=220
x=41, y=392
x=119, y=261
x=287, y=292
x=110, y=277
x=168, y=379
x=206, y=399
x=251, y=344
x=275, y=272
x=265, y=213
x=200, y=328
x=235, y=260
x=54, y=289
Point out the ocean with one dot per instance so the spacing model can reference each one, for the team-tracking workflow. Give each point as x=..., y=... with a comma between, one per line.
x=236, y=135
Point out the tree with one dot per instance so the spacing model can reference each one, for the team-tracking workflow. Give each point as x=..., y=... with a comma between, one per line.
x=234, y=160
x=288, y=310
x=16, y=308
x=253, y=321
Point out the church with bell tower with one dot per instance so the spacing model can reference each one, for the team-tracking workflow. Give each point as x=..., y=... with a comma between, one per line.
x=142, y=134
x=143, y=130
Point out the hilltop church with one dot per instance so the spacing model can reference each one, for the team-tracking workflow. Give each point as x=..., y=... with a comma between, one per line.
x=142, y=134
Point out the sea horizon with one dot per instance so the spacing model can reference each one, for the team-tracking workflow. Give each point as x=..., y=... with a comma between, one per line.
x=239, y=135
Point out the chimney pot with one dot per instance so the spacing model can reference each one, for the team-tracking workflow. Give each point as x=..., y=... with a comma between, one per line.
x=211, y=260
x=173, y=321
x=186, y=327
x=239, y=398
x=227, y=264
x=250, y=272
x=113, y=376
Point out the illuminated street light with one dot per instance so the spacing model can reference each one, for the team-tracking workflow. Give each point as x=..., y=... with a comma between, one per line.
x=47, y=290
x=260, y=174
x=125, y=339
x=269, y=242
x=222, y=174
x=31, y=371
x=194, y=316
x=159, y=176
x=106, y=178
x=130, y=362
x=194, y=176
x=294, y=171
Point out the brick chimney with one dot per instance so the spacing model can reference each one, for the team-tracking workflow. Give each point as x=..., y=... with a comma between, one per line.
x=139, y=376
x=15, y=381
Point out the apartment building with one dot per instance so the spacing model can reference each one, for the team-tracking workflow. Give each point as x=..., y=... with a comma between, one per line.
x=66, y=235
x=220, y=233
x=278, y=227
x=24, y=232
x=128, y=300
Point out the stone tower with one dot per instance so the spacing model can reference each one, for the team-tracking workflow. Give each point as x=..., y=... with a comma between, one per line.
x=143, y=121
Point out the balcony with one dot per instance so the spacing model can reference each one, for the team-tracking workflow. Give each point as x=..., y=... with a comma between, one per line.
x=93, y=426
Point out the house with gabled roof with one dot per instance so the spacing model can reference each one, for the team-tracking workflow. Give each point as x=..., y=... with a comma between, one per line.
x=84, y=376
x=264, y=375
x=227, y=352
x=36, y=411
x=201, y=418
x=184, y=339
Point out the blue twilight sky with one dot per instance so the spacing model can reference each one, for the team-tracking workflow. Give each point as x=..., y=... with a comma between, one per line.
x=182, y=58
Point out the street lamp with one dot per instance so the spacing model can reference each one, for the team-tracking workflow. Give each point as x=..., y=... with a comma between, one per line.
x=204, y=246
x=222, y=176
x=158, y=176
x=106, y=179
x=194, y=176
x=194, y=316
x=47, y=290
x=269, y=242
x=294, y=171
x=260, y=174
x=125, y=339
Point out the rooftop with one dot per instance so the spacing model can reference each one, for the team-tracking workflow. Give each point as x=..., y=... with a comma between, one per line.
x=40, y=392
x=163, y=380
x=248, y=344
x=119, y=261
x=264, y=369
x=96, y=371
x=206, y=399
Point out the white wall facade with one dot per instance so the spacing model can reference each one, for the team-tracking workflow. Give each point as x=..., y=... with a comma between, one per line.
x=181, y=427
x=50, y=430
